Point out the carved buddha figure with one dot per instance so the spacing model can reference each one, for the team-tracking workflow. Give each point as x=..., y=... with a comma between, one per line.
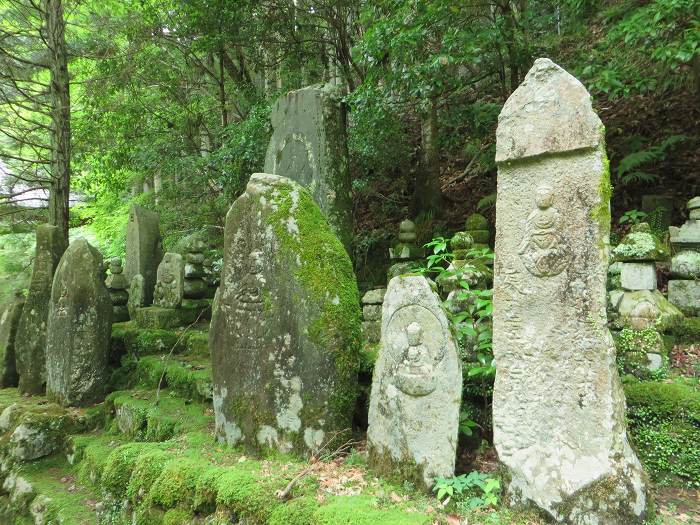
x=249, y=294
x=415, y=372
x=543, y=250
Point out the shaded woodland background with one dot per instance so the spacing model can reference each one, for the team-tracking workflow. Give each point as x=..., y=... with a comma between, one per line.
x=170, y=100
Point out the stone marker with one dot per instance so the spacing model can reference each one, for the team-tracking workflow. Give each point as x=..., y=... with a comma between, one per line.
x=477, y=226
x=137, y=292
x=144, y=248
x=309, y=146
x=416, y=388
x=194, y=285
x=79, y=328
x=684, y=288
x=117, y=285
x=10, y=314
x=285, y=329
x=372, y=315
x=558, y=406
x=30, y=343
x=405, y=252
x=170, y=282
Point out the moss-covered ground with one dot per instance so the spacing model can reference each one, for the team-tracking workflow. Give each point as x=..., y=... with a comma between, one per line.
x=147, y=456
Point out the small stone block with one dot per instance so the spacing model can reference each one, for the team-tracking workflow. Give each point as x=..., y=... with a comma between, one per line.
x=158, y=317
x=375, y=296
x=685, y=295
x=371, y=331
x=372, y=312
x=639, y=276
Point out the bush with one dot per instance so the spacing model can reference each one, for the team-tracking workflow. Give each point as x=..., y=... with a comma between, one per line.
x=664, y=423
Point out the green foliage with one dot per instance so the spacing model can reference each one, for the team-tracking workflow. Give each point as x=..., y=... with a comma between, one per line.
x=664, y=421
x=631, y=168
x=473, y=490
x=632, y=217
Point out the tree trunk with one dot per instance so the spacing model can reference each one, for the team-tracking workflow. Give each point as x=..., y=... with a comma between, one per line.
x=60, y=116
x=428, y=195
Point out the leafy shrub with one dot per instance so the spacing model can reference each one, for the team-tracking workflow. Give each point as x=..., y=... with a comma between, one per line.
x=664, y=423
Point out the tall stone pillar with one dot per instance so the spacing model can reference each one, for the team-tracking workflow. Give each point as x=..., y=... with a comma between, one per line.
x=559, y=408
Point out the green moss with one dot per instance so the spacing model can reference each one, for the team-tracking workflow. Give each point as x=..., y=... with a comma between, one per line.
x=47, y=476
x=299, y=511
x=476, y=221
x=362, y=510
x=177, y=482
x=177, y=517
x=664, y=423
x=688, y=331
x=147, y=467
x=324, y=269
x=118, y=468
x=601, y=212
x=243, y=491
x=206, y=490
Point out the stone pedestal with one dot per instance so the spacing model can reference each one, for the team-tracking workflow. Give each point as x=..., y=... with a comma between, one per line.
x=195, y=287
x=117, y=285
x=372, y=315
x=638, y=276
x=405, y=253
x=684, y=288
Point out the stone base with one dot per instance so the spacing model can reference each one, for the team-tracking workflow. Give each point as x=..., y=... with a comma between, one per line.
x=638, y=276
x=646, y=309
x=120, y=313
x=372, y=331
x=164, y=318
x=685, y=295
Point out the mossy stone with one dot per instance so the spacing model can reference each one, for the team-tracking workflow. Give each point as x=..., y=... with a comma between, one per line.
x=285, y=330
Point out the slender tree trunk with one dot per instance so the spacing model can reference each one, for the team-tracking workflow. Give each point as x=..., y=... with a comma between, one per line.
x=60, y=116
x=222, y=89
x=428, y=195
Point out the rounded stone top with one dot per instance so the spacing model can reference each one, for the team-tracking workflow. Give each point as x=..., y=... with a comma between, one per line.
x=550, y=112
x=196, y=246
x=461, y=241
x=407, y=226
x=640, y=245
x=115, y=265
x=694, y=203
x=476, y=221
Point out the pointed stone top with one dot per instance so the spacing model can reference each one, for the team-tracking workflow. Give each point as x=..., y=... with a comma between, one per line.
x=550, y=112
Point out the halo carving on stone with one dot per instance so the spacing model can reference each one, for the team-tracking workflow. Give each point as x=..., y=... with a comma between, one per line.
x=417, y=346
x=543, y=250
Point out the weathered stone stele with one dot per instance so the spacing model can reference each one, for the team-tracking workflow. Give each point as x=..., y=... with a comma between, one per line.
x=558, y=406
x=137, y=292
x=10, y=315
x=416, y=388
x=144, y=248
x=170, y=281
x=79, y=328
x=30, y=343
x=285, y=329
x=309, y=146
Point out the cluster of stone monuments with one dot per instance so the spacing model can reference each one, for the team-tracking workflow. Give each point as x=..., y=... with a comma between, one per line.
x=287, y=320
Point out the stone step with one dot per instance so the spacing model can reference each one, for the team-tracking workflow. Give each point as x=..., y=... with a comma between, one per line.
x=130, y=340
x=149, y=415
x=189, y=376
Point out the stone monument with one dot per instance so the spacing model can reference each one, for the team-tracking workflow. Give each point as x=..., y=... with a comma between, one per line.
x=558, y=405
x=285, y=329
x=144, y=248
x=194, y=285
x=117, y=285
x=416, y=388
x=170, y=281
x=79, y=328
x=30, y=343
x=309, y=146
x=477, y=226
x=684, y=287
x=137, y=292
x=372, y=315
x=10, y=314
x=404, y=254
